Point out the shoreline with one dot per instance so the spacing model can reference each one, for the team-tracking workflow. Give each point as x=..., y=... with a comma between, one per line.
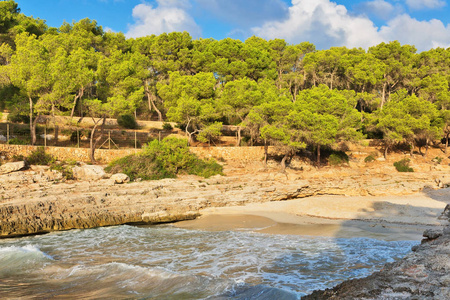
x=382, y=217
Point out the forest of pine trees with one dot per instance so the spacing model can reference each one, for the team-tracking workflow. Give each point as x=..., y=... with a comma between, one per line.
x=293, y=96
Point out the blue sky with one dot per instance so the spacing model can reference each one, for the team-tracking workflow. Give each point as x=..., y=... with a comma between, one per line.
x=326, y=23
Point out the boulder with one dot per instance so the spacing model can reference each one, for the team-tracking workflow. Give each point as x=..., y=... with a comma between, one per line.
x=432, y=234
x=12, y=167
x=120, y=178
x=88, y=172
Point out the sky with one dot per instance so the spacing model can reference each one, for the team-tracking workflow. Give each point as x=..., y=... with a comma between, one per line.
x=325, y=23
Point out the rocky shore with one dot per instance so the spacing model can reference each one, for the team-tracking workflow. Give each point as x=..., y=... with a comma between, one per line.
x=422, y=274
x=36, y=200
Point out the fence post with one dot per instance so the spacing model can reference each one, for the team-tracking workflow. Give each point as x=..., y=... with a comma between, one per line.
x=78, y=138
x=45, y=135
x=135, y=140
x=109, y=140
x=7, y=133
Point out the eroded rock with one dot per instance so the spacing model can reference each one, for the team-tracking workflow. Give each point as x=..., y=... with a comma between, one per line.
x=120, y=178
x=12, y=167
x=88, y=172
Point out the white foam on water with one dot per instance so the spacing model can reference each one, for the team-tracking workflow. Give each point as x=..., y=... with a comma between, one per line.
x=163, y=260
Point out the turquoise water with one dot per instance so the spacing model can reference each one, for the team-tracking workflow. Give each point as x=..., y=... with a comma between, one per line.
x=164, y=262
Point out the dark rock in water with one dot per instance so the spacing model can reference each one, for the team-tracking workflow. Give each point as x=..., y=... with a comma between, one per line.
x=422, y=274
x=432, y=234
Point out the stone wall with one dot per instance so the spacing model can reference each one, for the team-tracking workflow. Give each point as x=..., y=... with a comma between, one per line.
x=244, y=154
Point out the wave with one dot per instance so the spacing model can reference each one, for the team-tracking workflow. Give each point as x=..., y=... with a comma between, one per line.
x=18, y=259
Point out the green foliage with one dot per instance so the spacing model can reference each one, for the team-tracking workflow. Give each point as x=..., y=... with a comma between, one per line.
x=19, y=141
x=65, y=169
x=403, y=165
x=127, y=121
x=437, y=160
x=164, y=159
x=39, y=157
x=338, y=158
x=369, y=159
x=18, y=117
x=18, y=158
x=167, y=126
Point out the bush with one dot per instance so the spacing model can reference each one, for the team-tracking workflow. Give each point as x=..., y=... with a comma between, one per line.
x=167, y=126
x=66, y=170
x=18, y=117
x=403, y=165
x=74, y=136
x=369, y=159
x=127, y=121
x=338, y=158
x=164, y=159
x=18, y=141
x=39, y=157
x=437, y=160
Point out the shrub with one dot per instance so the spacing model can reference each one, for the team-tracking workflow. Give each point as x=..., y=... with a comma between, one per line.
x=164, y=159
x=74, y=136
x=437, y=160
x=18, y=141
x=18, y=117
x=66, y=170
x=167, y=126
x=403, y=165
x=369, y=159
x=338, y=158
x=39, y=157
x=18, y=158
x=127, y=121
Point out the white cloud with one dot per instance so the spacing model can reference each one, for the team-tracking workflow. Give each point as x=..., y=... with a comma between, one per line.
x=421, y=4
x=327, y=24
x=245, y=13
x=323, y=23
x=378, y=8
x=423, y=34
x=168, y=16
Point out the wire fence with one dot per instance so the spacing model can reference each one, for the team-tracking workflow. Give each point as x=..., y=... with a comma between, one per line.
x=19, y=134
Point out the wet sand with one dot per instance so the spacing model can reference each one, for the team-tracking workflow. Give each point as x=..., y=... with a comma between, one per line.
x=385, y=218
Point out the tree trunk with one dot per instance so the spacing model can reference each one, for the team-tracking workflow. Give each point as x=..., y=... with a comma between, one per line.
x=426, y=147
x=318, y=155
x=446, y=143
x=386, y=151
x=238, y=143
x=266, y=150
x=93, y=144
x=32, y=133
x=33, y=130
x=151, y=103
x=383, y=95
x=283, y=161
x=411, y=150
x=77, y=96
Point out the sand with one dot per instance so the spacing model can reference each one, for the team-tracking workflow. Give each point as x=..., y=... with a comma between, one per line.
x=383, y=217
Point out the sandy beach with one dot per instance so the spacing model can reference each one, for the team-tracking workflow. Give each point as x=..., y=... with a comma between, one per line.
x=382, y=217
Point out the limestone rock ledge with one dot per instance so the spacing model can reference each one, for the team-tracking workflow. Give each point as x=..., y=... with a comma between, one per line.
x=29, y=205
x=36, y=201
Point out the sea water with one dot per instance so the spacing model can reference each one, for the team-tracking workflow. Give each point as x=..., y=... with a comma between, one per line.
x=165, y=262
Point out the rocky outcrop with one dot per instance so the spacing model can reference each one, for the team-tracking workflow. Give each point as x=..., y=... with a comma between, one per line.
x=12, y=167
x=120, y=178
x=30, y=207
x=39, y=201
x=88, y=172
x=423, y=274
